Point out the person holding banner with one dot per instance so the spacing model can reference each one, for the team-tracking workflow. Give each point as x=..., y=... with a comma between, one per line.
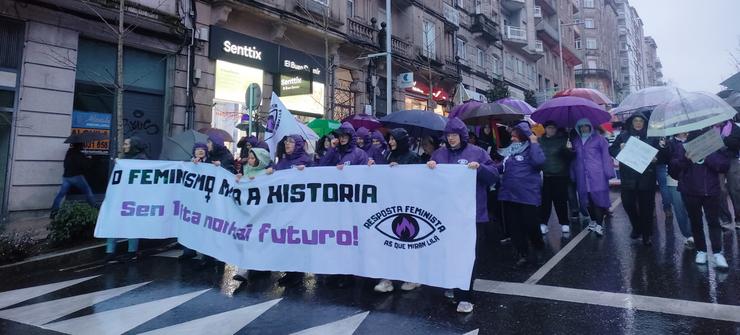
x=258, y=163
x=638, y=189
x=294, y=154
x=699, y=184
x=346, y=152
x=200, y=155
x=591, y=170
x=521, y=190
x=457, y=150
x=133, y=148
x=218, y=154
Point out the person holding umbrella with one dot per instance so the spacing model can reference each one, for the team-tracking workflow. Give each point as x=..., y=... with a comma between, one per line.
x=638, y=189
x=699, y=184
x=521, y=190
x=556, y=176
x=591, y=169
x=458, y=151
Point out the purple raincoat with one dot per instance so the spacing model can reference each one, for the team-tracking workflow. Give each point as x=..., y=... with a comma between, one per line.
x=591, y=170
x=348, y=154
x=521, y=181
x=298, y=157
x=374, y=152
x=487, y=173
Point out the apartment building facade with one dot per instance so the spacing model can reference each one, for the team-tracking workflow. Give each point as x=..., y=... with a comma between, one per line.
x=632, y=41
x=653, y=66
x=599, y=45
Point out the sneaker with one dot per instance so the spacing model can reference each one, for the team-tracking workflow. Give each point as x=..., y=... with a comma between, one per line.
x=565, y=228
x=521, y=262
x=506, y=241
x=728, y=224
x=464, y=307
x=689, y=244
x=596, y=228
x=719, y=261
x=384, y=286
x=409, y=286
x=544, y=229
x=449, y=294
x=701, y=257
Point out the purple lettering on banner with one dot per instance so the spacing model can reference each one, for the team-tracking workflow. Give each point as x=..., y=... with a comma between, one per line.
x=263, y=230
x=291, y=238
x=278, y=239
x=128, y=208
x=310, y=241
x=344, y=237
x=323, y=235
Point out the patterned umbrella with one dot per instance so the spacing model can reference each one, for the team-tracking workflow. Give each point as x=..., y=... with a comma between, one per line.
x=362, y=120
x=519, y=105
x=586, y=93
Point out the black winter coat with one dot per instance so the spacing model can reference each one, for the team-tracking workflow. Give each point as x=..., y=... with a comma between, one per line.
x=631, y=179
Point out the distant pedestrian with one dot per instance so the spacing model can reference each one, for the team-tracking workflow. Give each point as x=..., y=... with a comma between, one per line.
x=76, y=164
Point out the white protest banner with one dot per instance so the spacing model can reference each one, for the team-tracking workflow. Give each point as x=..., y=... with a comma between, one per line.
x=704, y=145
x=281, y=123
x=406, y=223
x=637, y=154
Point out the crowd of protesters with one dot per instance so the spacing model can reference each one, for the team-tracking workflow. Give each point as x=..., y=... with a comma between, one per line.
x=521, y=177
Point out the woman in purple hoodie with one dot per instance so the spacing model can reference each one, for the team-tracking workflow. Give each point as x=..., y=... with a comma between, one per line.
x=457, y=150
x=295, y=155
x=699, y=184
x=346, y=152
x=521, y=189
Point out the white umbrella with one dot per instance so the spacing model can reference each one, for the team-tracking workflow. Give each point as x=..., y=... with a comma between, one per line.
x=648, y=97
x=688, y=112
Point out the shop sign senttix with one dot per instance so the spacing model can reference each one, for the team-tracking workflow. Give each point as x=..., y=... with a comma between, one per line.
x=241, y=49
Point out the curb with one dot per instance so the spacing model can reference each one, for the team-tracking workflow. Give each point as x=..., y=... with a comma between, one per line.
x=67, y=259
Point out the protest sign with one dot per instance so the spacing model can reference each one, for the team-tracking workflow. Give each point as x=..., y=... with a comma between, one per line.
x=637, y=154
x=370, y=221
x=704, y=145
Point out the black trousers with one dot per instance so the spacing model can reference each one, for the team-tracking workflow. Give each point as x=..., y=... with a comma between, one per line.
x=482, y=248
x=640, y=206
x=554, y=193
x=522, y=222
x=711, y=207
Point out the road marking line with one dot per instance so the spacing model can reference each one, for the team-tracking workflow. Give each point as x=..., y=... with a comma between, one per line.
x=542, y=271
x=610, y=299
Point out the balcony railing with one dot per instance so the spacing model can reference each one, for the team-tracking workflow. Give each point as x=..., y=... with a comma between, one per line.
x=451, y=15
x=516, y=34
x=484, y=25
x=360, y=31
x=537, y=11
x=400, y=47
x=513, y=5
x=594, y=72
x=548, y=30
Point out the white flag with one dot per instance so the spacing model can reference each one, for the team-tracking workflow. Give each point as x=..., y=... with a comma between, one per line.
x=281, y=123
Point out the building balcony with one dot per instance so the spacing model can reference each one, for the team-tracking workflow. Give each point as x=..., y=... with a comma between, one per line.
x=452, y=17
x=513, y=5
x=593, y=73
x=549, y=7
x=321, y=8
x=360, y=32
x=483, y=25
x=400, y=47
x=547, y=32
x=539, y=46
x=658, y=64
x=515, y=36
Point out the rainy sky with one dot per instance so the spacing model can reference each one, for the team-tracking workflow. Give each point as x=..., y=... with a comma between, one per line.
x=695, y=39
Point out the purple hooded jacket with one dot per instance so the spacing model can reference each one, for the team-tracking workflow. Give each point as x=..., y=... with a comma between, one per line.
x=298, y=157
x=592, y=168
x=699, y=180
x=487, y=174
x=374, y=152
x=348, y=154
x=521, y=181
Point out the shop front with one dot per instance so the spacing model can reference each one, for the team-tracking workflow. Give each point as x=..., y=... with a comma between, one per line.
x=417, y=97
x=296, y=77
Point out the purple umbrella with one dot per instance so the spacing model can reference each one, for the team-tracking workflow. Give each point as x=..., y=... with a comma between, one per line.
x=361, y=120
x=459, y=110
x=566, y=111
x=517, y=104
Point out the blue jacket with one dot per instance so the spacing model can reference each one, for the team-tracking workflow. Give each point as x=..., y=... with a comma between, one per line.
x=521, y=181
x=487, y=174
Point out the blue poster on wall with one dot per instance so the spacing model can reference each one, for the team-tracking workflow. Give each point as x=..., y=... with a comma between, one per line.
x=90, y=120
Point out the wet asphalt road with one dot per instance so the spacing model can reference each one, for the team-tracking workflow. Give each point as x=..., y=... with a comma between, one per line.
x=169, y=298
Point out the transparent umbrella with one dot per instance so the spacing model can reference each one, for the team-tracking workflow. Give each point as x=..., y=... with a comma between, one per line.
x=688, y=112
x=647, y=97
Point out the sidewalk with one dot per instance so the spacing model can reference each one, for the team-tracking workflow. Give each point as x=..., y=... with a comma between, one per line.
x=36, y=225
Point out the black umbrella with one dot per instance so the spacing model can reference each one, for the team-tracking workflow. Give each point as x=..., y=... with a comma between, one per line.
x=485, y=112
x=85, y=136
x=417, y=122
